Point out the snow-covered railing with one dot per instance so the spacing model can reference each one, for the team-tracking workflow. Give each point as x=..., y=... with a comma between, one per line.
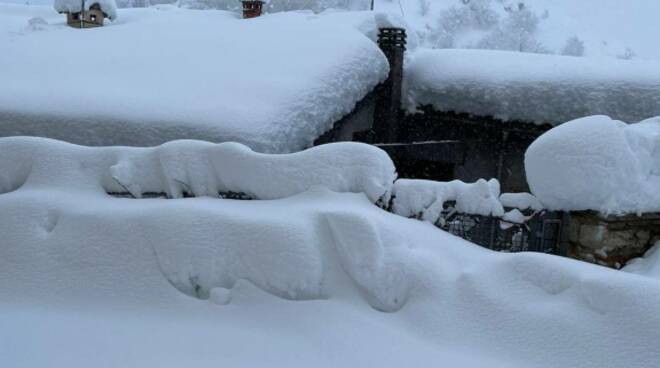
x=193, y=168
x=478, y=213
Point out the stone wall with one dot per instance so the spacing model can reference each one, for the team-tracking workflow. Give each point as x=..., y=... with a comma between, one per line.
x=611, y=240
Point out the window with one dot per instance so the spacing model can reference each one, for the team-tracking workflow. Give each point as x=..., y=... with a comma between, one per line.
x=92, y=17
x=75, y=16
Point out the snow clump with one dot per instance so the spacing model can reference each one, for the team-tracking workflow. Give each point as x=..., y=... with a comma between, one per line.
x=596, y=163
x=425, y=199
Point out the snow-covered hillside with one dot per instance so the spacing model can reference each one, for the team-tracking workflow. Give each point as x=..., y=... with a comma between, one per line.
x=607, y=28
x=93, y=280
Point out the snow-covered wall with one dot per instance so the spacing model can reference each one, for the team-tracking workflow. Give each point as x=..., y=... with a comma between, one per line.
x=532, y=87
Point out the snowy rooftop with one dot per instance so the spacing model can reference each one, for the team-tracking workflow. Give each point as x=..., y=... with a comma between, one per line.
x=275, y=83
x=533, y=87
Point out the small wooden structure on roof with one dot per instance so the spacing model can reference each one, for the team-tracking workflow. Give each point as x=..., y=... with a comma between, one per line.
x=86, y=13
x=252, y=8
x=87, y=18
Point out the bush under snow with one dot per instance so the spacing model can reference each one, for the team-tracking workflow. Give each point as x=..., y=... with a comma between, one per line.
x=597, y=163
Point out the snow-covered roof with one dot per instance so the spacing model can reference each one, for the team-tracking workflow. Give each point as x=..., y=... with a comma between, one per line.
x=275, y=83
x=533, y=87
x=108, y=7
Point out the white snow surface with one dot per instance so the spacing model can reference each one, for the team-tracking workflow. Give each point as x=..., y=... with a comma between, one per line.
x=274, y=83
x=109, y=7
x=521, y=201
x=204, y=169
x=648, y=266
x=425, y=199
x=93, y=280
x=608, y=28
x=597, y=163
x=532, y=87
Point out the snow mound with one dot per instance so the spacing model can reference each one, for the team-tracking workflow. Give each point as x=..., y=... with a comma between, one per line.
x=109, y=7
x=597, y=163
x=520, y=201
x=532, y=87
x=372, y=265
x=287, y=256
x=426, y=199
x=198, y=168
x=648, y=266
x=275, y=83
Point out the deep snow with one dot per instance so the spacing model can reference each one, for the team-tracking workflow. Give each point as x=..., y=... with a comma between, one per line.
x=90, y=279
x=596, y=163
x=275, y=83
x=532, y=87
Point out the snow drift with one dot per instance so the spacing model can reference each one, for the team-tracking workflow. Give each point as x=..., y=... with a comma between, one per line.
x=197, y=168
x=531, y=87
x=90, y=279
x=597, y=163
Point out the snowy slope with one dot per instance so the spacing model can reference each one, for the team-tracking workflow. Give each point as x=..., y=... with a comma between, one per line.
x=275, y=83
x=608, y=28
x=93, y=280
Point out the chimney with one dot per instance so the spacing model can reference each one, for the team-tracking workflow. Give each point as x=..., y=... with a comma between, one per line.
x=252, y=8
x=392, y=41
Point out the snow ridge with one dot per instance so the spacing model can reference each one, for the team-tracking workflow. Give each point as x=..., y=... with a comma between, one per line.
x=197, y=168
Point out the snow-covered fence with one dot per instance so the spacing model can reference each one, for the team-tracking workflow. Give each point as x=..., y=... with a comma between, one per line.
x=194, y=168
x=534, y=232
x=478, y=213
